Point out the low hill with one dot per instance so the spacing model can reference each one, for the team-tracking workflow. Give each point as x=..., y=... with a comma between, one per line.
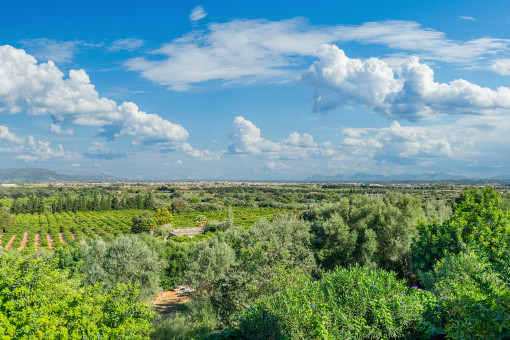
x=19, y=175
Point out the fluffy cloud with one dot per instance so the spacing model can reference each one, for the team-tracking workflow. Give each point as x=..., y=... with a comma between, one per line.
x=58, y=129
x=403, y=142
x=197, y=13
x=414, y=95
x=126, y=44
x=98, y=150
x=40, y=151
x=272, y=51
x=28, y=149
x=276, y=166
x=9, y=137
x=501, y=66
x=247, y=139
x=449, y=146
x=41, y=89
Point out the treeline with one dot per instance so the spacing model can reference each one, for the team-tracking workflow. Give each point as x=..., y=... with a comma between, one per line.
x=36, y=205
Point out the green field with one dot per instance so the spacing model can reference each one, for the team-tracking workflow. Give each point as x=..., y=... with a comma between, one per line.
x=51, y=230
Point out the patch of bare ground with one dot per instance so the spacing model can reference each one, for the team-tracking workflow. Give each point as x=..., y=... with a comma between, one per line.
x=1, y=237
x=73, y=235
x=169, y=301
x=24, y=241
x=8, y=245
x=61, y=237
x=37, y=241
x=50, y=241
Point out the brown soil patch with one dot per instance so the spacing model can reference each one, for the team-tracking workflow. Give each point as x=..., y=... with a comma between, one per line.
x=73, y=235
x=37, y=241
x=169, y=301
x=10, y=242
x=24, y=241
x=2, y=235
x=61, y=237
x=50, y=241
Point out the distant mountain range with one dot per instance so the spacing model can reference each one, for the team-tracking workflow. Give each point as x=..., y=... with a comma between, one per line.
x=19, y=175
x=428, y=177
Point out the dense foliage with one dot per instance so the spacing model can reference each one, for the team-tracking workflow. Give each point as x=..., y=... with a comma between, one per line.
x=41, y=302
x=478, y=220
x=346, y=304
x=280, y=262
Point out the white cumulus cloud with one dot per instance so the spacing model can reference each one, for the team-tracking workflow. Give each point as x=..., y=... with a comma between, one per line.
x=410, y=94
x=247, y=139
x=501, y=66
x=58, y=129
x=41, y=89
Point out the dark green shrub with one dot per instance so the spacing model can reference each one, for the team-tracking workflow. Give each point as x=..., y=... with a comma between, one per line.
x=473, y=296
x=478, y=221
x=347, y=303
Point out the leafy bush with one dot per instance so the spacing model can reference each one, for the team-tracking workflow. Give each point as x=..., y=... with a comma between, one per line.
x=126, y=259
x=473, y=296
x=372, y=232
x=39, y=301
x=347, y=303
x=198, y=320
x=478, y=220
x=142, y=222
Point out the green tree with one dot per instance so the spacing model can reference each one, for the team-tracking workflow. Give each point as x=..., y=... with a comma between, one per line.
x=126, y=259
x=6, y=219
x=477, y=220
x=473, y=296
x=142, y=223
x=41, y=302
x=211, y=261
x=162, y=216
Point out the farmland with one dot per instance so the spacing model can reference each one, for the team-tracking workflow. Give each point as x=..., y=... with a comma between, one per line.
x=55, y=229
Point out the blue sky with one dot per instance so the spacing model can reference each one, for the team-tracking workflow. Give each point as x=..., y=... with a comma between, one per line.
x=255, y=90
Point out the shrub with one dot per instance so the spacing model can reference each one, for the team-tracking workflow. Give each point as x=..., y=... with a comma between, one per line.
x=41, y=302
x=347, y=303
x=473, y=296
x=126, y=259
x=478, y=221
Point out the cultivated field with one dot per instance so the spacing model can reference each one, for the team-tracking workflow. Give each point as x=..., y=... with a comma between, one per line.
x=51, y=230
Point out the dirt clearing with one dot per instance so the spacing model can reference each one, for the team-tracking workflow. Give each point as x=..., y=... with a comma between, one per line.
x=50, y=241
x=24, y=241
x=37, y=241
x=169, y=301
x=7, y=246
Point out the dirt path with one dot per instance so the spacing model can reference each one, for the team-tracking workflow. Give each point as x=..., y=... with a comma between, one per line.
x=24, y=241
x=169, y=301
x=1, y=237
x=50, y=241
x=73, y=235
x=10, y=242
x=37, y=241
x=61, y=237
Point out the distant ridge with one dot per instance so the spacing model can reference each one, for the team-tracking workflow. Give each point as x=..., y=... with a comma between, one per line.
x=365, y=177
x=20, y=175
